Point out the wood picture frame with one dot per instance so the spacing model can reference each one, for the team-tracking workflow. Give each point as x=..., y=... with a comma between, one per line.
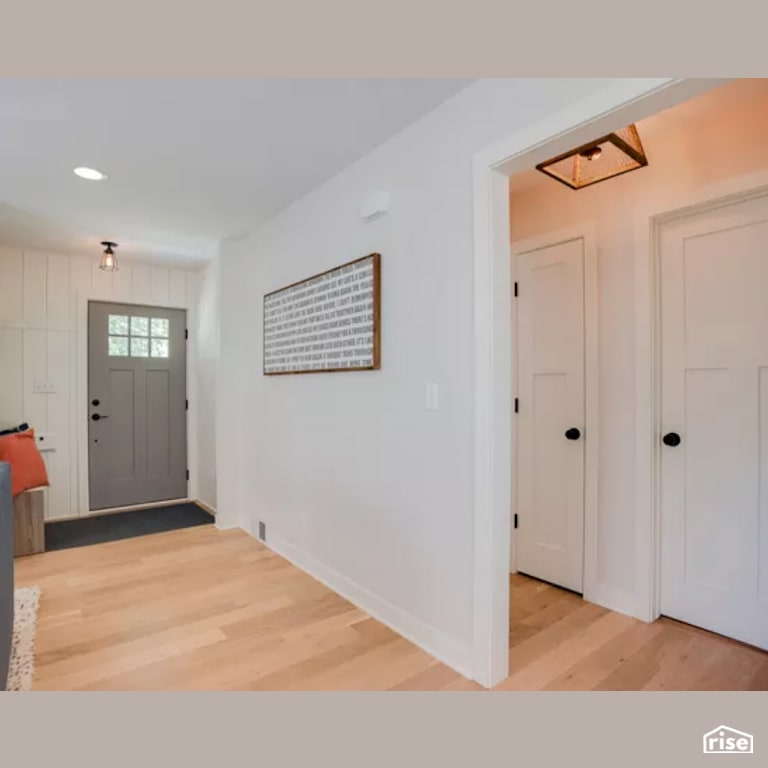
x=327, y=323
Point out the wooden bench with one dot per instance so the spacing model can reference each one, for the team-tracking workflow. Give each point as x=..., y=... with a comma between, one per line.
x=29, y=523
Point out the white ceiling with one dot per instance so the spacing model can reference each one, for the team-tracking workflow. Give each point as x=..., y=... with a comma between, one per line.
x=190, y=161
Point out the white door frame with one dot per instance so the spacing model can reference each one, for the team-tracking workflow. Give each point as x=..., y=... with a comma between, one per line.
x=648, y=366
x=588, y=232
x=625, y=101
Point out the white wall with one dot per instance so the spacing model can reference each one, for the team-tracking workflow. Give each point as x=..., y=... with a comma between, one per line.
x=717, y=136
x=355, y=480
x=42, y=338
x=207, y=363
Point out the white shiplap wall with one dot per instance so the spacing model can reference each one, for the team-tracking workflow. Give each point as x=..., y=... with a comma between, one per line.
x=43, y=299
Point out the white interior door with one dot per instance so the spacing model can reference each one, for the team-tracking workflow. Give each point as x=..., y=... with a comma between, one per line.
x=550, y=426
x=714, y=420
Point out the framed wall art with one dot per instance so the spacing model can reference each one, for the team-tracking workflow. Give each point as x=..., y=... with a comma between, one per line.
x=326, y=323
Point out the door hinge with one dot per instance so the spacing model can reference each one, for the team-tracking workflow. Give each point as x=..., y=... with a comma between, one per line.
x=186, y=404
x=515, y=522
x=515, y=287
x=517, y=405
x=186, y=332
x=187, y=474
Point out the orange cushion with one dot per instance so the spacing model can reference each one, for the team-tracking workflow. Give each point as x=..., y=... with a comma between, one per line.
x=27, y=465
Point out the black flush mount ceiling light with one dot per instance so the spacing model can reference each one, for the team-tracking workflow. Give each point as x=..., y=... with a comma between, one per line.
x=604, y=158
x=108, y=258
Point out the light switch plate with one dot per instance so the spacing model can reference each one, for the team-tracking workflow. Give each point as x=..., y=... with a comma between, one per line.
x=41, y=387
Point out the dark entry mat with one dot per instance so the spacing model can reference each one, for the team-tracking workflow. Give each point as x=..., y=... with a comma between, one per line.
x=123, y=525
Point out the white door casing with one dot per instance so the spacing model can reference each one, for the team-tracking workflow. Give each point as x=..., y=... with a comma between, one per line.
x=624, y=102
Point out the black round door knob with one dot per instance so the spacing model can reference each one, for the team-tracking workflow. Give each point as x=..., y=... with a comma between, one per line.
x=671, y=439
x=94, y=402
x=573, y=433
x=96, y=416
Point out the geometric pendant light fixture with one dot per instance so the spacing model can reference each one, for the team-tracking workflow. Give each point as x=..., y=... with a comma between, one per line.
x=108, y=258
x=618, y=152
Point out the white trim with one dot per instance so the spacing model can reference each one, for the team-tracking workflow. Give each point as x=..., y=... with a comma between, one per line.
x=81, y=394
x=624, y=102
x=586, y=231
x=493, y=445
x=430, y=639
x=591, y=412
x=132, y=508
x=193, y=398
x=222, y=526
x=648, y=367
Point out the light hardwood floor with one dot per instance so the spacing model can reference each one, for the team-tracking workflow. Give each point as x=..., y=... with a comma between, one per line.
x=560, y=642
x=204, y=609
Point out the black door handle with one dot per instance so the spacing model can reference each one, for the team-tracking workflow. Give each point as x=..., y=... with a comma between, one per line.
x=97, y=416
x=671, y=439
x=573, y=433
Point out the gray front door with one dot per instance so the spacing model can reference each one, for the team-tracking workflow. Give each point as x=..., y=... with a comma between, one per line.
x=137, y=420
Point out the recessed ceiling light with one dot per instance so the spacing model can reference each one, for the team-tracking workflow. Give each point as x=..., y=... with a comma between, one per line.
x=90, y=173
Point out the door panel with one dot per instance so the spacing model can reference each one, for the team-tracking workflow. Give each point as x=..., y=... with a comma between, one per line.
x=136, y=404
x=158, y=423
x=714, y=350
x=550, y=500
x=120, y=461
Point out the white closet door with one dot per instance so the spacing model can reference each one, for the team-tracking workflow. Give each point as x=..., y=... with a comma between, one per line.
x=714, y=398
x=550, y=508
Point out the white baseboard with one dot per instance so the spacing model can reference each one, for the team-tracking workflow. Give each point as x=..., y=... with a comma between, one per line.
x=227, y=526
x=429, y=639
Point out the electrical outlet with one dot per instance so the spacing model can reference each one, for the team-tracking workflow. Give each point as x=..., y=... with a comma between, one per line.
x=262, y=530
